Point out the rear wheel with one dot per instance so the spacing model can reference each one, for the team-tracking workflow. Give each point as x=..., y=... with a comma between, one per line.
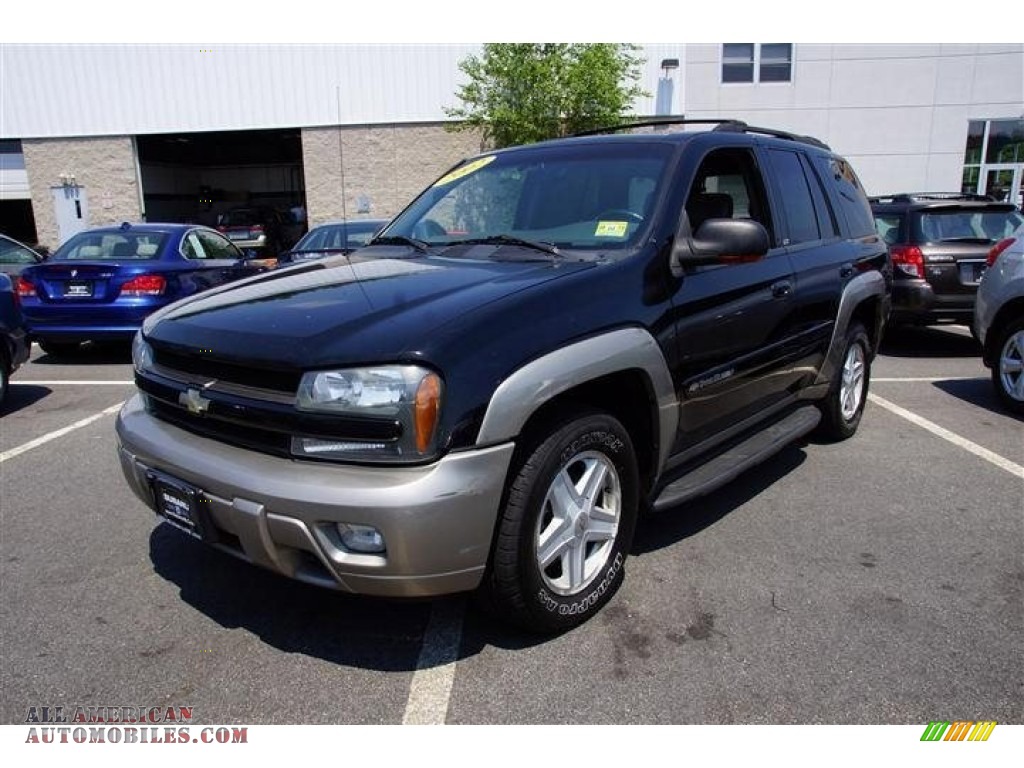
x=4, y=377
x=1008, y=367
x=566, y=526
x=843, y=407
x=59, y=348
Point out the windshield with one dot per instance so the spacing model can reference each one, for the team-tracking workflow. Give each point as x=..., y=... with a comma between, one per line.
x=111, y=245
x=967, y=225
x=590, y=196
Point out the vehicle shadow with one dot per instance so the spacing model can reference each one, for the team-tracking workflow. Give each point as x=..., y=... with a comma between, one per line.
x=368, y=633
x=21, y=396
x=929, y=341
x=979, y=392
x=90, y=354
x=667, y=527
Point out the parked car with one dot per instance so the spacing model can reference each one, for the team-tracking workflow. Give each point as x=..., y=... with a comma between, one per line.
x=14, y=343
x=102, y=283
x=547, y=341
x=999, y=320
x=938, y=243
x=15, y=256
x=333, y=237
x=261, y=229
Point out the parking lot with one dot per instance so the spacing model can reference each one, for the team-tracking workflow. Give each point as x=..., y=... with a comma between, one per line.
x=880, y=580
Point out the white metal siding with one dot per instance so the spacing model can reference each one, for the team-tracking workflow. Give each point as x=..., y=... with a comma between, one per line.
x=51, y=91
x=898, y=112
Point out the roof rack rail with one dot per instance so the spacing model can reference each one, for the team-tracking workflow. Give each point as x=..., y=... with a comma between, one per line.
x=726, y=125
x=661, y=121
x=913, y=197
x=740, y=126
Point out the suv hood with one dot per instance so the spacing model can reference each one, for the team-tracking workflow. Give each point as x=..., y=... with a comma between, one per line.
x=342, y=310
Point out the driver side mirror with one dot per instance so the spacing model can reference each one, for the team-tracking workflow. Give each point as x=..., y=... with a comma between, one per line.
x=721, y=241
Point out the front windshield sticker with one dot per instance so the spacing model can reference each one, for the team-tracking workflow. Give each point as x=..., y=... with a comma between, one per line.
x=611, y=229
x=464, y=170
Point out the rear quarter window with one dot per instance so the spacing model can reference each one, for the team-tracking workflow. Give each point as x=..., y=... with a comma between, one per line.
x=847, y=191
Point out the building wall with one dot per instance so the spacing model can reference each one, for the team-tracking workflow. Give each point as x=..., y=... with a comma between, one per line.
x=103, y=166
x=899, y=113
x=379, y=167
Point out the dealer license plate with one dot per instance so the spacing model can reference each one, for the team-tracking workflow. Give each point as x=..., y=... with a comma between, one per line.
x=177, y=503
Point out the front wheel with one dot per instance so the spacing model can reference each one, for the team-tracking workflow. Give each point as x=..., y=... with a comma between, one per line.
x=1008, y=367
x=843, y=407
x=566, y=526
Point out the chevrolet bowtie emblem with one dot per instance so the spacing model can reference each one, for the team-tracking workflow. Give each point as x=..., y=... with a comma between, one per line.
x=192, y=399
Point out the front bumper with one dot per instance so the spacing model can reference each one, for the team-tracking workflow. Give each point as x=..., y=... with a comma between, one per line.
x=281, y=514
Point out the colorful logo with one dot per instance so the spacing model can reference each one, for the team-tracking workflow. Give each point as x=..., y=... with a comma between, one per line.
x=961, y=730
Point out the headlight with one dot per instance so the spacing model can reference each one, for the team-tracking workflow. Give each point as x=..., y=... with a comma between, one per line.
x=142, y=354
x=404, y=394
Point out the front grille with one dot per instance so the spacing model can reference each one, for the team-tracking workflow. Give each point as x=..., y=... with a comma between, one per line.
x=253, y=438
x=205, y=367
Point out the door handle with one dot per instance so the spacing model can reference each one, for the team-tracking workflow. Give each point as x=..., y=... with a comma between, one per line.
x=782, y=289
x=846, y=270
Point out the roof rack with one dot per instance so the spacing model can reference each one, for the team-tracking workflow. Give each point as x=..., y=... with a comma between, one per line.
x=725, y=125
x=916, y=197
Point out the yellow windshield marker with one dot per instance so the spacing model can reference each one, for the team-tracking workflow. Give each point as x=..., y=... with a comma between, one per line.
x=463, y=170
x=611, y=229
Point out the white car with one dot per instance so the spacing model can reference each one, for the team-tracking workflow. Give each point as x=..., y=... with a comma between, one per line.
x=999, y=319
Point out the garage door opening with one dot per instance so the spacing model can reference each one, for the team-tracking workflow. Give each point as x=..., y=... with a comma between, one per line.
x=199, y=177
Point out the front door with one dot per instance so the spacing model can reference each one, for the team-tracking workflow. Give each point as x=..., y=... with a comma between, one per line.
x=71, y=209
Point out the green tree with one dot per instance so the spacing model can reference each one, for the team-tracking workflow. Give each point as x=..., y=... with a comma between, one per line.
x=520, y=93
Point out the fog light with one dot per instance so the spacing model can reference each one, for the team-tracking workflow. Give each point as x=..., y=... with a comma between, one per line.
x=361, y=538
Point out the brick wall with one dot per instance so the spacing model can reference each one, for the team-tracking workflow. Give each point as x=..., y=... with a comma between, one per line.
x=384, y=165
x=104, y=168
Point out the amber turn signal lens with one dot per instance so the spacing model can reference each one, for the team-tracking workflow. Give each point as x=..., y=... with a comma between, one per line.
x=428, y=405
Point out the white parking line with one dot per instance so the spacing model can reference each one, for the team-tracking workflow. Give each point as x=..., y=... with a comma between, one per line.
x=431, y=687
x=962, y=442
x=928, y=379
x=90, y=382
x=58, y=433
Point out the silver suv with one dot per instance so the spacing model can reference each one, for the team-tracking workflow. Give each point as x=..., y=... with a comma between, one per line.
x=999, y=319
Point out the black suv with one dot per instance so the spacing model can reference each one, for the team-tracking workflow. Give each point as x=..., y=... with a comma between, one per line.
x=939, y=243
x=549, y=340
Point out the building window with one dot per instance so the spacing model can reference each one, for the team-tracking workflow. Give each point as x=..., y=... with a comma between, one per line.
x=738, y=63
x=757, y=63
x=994, y=160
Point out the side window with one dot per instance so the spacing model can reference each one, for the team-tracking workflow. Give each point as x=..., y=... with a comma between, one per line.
x=795, y=193
x=853, y=203
x=217, y=247
x=822, y=207
x=191, y=248
x=728, y=185
x=888, y=227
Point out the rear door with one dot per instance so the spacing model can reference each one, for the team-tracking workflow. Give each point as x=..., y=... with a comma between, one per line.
x=824, y=261
x=210, y=260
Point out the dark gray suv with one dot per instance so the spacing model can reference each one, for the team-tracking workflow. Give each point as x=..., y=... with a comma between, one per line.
x=939, y=242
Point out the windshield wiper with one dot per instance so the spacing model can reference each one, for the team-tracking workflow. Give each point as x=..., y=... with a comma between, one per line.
x=412, y=242
x=537, y=245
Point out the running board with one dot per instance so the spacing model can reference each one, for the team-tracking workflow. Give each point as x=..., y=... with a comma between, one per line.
x=741, y=457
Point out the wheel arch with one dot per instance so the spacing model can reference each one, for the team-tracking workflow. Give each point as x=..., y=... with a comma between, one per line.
x=1007, y=313
x=621, y=372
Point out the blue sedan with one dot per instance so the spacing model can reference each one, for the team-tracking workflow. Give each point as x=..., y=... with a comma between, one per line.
x=102, y=283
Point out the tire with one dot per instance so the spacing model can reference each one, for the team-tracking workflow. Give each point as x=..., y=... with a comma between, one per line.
x=1007, y=370
x=59, y=348
x=843, y=407
x=583, y=538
